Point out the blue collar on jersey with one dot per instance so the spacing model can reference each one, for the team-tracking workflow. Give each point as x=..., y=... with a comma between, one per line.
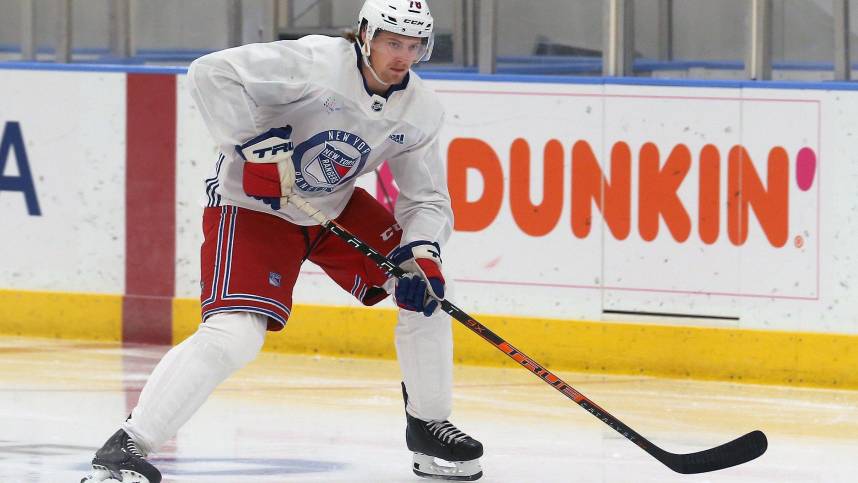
x=390, y=90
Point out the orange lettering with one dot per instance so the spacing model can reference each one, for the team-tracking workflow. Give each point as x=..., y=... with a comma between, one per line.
x=659, y=184
x=589, y=185
x=468, y=153
x=657, y=192
x=536, y=220
x=709, y=196
x=745, y=189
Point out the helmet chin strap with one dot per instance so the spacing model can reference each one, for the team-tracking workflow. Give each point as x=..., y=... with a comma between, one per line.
x=369, y=65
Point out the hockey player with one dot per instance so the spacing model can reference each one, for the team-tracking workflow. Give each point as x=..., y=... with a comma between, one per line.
x=306, y=118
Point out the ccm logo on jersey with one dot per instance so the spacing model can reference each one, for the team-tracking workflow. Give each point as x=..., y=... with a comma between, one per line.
x=386, y=234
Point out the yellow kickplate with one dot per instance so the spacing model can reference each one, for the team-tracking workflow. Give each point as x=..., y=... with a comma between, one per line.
x=61, y=315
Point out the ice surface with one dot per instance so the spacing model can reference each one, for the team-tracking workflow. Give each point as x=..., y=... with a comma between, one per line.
x=289, y=418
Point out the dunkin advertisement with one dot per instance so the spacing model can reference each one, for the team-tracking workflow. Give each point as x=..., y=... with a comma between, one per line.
x=733, y=206
x=577, y=200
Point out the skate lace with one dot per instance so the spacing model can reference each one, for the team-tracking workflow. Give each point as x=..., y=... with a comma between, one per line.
x=446, y=432
x=132, y=448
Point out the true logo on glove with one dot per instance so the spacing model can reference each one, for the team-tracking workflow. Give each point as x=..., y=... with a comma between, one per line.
x=278, y=148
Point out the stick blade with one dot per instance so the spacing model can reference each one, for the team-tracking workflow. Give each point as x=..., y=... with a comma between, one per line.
x=740, y=450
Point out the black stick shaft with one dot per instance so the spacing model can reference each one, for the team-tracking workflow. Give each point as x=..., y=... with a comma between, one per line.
x=740, y=450
x=550, y=378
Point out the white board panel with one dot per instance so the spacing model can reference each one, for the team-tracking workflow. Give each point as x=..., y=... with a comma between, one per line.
x=72, y=125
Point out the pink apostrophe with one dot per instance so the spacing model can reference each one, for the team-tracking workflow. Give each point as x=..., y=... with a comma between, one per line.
x=805, y=168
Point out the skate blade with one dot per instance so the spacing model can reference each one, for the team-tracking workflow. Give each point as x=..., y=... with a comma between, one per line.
x=427, y=467
x=100, y=474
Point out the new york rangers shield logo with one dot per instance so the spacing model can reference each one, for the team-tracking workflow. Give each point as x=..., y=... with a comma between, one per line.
x=329, y=159
x=331, y=165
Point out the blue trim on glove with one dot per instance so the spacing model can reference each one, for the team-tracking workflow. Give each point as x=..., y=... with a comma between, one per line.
x=403, y=253
x=410, y=294
x=284, y=132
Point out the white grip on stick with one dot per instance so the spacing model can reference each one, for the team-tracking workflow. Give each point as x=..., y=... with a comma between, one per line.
x=308, y=209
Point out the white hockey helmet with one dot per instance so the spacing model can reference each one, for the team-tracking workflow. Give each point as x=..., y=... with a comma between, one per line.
x=405, y=17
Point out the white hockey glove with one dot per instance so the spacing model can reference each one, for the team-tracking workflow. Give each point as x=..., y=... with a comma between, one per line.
x=268, y=171
x=423, y=288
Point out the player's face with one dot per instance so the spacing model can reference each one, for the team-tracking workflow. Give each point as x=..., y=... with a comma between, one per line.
x=393, y=54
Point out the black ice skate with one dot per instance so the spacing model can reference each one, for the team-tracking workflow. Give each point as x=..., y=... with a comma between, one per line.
x=119, y=460
x=440, y=439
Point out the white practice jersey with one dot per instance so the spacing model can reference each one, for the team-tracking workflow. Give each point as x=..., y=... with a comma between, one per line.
x=339, y=129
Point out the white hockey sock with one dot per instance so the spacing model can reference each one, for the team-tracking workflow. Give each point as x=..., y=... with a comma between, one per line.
x=424, y=347
x=189, y=372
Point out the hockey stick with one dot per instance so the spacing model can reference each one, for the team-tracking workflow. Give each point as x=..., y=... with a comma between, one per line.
x=740, y=450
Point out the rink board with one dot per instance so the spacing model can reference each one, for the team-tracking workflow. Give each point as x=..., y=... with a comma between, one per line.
x=747, y=355
x=611, y=225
